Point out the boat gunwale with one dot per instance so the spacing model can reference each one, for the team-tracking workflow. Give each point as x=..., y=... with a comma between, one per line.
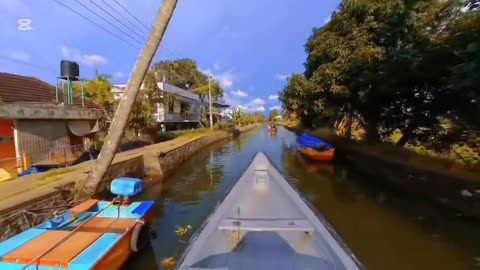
x=317, y=213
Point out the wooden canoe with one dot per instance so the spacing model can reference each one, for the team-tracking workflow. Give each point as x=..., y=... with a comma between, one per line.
x=92, y=235
x=326, y=155
x=264, y=223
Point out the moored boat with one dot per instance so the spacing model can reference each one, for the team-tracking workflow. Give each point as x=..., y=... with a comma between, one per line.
x=264, y=223
x=315, y=148
x=92, y=235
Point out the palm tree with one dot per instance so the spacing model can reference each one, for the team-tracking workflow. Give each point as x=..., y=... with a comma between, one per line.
x=87, y=188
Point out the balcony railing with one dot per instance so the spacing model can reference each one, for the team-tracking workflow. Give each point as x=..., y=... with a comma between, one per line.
x=184, y=117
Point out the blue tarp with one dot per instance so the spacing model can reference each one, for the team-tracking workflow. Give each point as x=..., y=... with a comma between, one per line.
x=38, y=168
x=307, y=140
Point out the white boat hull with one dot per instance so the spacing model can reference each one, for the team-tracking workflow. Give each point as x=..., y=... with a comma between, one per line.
x=264, y=223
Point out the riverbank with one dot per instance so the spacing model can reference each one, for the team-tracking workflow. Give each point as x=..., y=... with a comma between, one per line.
x=27, y=201
x=443, y=182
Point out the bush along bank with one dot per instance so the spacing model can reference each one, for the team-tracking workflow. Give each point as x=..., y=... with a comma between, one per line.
x=443, y=182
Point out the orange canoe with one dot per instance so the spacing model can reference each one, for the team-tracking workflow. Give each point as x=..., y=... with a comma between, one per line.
x=311, y=153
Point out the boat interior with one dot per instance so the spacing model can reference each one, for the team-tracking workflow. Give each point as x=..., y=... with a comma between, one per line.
x=263, y=224
x=84, y=246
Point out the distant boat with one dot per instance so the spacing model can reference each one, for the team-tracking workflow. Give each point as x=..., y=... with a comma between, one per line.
x=264, y=223
x=272, y=128
x=315, y=148
x=92, y=235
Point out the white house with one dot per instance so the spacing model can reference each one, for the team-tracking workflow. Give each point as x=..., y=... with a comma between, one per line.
x=185, y=111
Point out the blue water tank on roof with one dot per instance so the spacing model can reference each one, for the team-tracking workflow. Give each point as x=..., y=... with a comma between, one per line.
x=126, y=186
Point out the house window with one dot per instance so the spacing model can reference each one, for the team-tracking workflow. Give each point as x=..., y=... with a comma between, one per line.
x=170, y=106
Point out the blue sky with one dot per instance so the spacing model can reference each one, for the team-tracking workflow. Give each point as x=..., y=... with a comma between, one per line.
x=249, y=46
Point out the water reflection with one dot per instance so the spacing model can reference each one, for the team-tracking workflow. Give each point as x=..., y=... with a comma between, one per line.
x=381, y=227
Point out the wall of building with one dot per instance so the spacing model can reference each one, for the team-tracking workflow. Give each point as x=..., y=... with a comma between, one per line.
x=8, y=161
x=7, y=143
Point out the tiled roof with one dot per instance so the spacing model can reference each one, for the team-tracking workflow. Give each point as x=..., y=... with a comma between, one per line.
x=18, y=88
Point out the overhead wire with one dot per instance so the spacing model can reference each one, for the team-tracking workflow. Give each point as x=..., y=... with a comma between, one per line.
x=124, y=17
x=168, y=51
x=107, y=21
x=99, y=26
x=146, y=27
x=28, y=64
x=115, y=18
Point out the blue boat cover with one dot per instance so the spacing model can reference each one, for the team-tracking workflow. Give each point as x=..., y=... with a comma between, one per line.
x=307, y=140
x=126, y=186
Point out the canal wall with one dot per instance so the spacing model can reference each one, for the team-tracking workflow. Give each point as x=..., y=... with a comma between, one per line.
x=460, y=193
x=24, y=210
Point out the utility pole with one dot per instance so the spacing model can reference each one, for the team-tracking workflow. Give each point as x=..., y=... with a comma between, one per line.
x=210, y=102
x=91, y=185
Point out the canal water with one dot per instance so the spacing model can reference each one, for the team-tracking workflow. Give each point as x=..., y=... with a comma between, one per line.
x=384, y=229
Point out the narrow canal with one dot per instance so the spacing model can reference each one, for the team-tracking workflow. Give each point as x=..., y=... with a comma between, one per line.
x=384, y=229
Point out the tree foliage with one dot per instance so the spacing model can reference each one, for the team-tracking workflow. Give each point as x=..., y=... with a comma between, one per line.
x=185, y=74
x=98, y=90
x=397, y=65
x=273, y=115
x=240, y=117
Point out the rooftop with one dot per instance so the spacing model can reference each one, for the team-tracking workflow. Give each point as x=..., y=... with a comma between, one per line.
x=17, y=88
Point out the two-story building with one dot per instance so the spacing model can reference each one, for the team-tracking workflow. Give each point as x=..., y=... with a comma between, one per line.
x=183, y=112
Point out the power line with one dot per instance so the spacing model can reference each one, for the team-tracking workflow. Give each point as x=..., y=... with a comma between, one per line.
x=103, y=28
x=125, y=18
x=28, y=64
x=169, y=52
x=105, y=20
x=115, y=18
x=146, y=27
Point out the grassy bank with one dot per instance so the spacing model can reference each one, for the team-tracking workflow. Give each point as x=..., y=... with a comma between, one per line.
x=391, y=153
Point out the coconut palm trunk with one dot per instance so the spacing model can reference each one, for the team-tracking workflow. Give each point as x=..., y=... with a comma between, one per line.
x=91, y=185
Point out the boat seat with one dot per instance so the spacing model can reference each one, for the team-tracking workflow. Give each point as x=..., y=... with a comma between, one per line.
x=108, y=224
x=266, y=225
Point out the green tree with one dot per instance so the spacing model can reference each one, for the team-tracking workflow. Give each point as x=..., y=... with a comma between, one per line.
x=183, y=73
x=273, y=115
x=215, y=88
x=98, y=90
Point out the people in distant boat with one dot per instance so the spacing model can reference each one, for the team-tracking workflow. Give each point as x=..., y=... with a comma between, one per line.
x=272, y=127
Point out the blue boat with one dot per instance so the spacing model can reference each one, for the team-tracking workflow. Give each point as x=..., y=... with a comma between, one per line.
x=92, y=235
x=315, y=148
x=307, y=140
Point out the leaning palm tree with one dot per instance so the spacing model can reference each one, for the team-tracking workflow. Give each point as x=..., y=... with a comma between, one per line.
x=90, y=186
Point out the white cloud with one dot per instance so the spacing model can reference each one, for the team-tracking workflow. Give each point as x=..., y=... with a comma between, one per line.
x=87, y=59
x=273, y=97
x=326, y=20
x=239, y=93
x=257, y=109
x=255, y=105
x=20, y=56
x=225, y=79
x=282, y=77
x=256, y=102
x=275, y=108
x=118, y=74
